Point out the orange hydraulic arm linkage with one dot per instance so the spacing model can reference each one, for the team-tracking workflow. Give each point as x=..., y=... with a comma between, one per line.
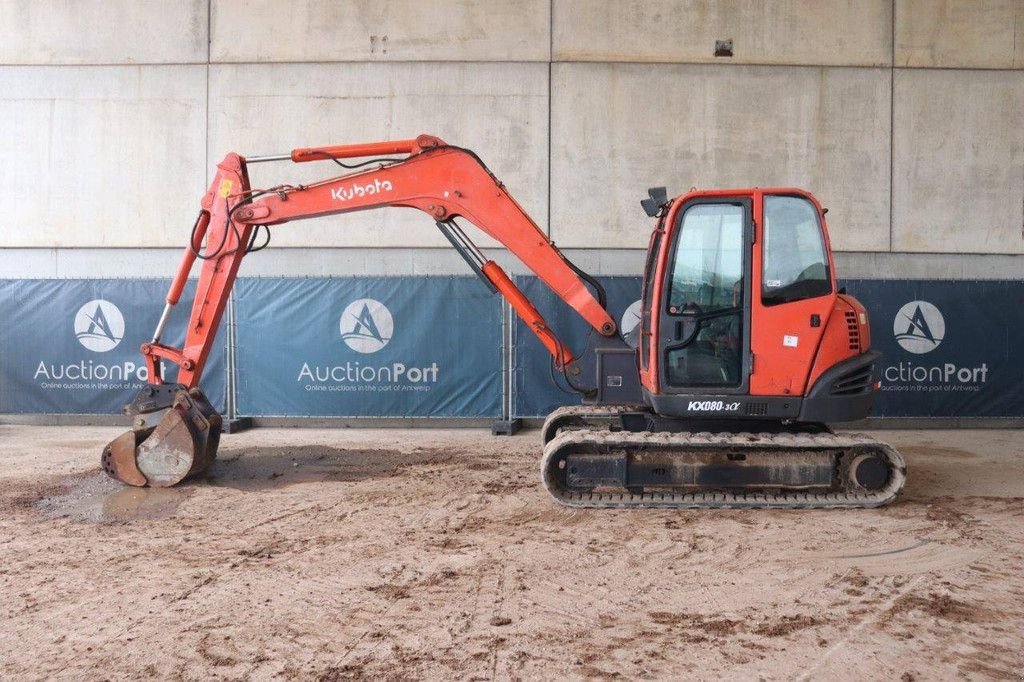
x=443, y=181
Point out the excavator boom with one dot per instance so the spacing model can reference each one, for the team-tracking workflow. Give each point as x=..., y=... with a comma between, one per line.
x=443, y=181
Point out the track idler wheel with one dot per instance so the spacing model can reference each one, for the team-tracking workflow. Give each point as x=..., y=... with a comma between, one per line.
x=175, y=436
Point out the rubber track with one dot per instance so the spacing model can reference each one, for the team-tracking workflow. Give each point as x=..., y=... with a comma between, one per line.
x=694, y=442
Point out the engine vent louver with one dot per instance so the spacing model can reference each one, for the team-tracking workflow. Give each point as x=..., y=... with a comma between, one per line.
x=854, y=382
x=756, y=409
x=854, y=330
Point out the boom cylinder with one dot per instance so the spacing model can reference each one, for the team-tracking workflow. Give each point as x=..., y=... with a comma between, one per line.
x=188, y=258
x=349, y=151
x=526, y=310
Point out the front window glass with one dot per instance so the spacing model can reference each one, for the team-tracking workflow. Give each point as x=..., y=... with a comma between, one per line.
x=708, y=271
x=795, y=263
x=707, y=298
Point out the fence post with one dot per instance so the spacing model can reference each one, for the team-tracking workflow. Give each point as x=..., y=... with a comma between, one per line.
x=232, y=423
x=507, y=425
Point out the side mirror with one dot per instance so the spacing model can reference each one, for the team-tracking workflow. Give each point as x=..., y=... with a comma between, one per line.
x=658, y=198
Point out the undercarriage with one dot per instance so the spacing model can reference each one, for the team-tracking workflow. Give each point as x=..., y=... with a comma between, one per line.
x=611, y=457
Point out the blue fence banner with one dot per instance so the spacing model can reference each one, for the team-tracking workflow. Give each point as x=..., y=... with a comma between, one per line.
x=537, y=387
x=368, y=347
x=950, y=348
x=71, y=346
x=432, y=346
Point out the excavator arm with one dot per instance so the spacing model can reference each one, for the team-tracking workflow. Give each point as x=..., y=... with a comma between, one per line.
x=174, y=434
x=444, y=182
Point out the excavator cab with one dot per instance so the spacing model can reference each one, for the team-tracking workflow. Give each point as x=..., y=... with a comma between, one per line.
x=739, y=295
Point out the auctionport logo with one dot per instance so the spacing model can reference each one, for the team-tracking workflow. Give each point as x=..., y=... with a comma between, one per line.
x=630, y=319
x=366, y=325
x=99, y=326
x=629, y=324
x=919, y=327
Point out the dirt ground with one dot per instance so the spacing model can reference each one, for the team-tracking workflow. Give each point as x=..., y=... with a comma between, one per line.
x=334, y=554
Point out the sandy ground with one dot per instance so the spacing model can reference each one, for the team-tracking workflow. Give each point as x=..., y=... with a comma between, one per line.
x=330, y=554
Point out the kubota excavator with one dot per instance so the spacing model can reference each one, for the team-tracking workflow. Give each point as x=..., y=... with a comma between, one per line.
x=720, y=397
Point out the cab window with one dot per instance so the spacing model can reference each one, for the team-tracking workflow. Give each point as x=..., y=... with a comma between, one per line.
x=795, y=263
x=706, y=298
x=708, y=271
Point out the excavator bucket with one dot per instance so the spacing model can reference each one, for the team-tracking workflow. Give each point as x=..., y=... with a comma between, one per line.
x=174, y=436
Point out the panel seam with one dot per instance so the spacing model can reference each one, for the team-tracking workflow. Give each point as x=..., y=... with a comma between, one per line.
x=892, y=125
x=206, y=133
x=551, y=57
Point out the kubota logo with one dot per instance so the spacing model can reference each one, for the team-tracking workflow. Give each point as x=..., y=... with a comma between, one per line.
x=919, y=327
x=366, y=325
x=357, y=190
x=99, y=326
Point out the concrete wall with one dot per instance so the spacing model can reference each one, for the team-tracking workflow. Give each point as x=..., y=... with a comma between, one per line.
x=828, y=129
x=371, y=30
x=504, y=105
x=905, y=118
x=820, y=32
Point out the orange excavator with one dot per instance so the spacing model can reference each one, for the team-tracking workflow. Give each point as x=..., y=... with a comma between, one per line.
x=745, y=349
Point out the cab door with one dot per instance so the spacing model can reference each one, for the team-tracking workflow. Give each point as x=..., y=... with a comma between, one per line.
x=703, y=342
x=795, y=292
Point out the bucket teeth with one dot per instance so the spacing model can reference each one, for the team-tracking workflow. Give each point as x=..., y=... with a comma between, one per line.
x=182, y=444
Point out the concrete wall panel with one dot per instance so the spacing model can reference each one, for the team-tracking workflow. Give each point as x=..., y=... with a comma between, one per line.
x=498, y=110
x=619, y=129
x=984, y=34
x=376, y=30
x=829, y=32
x=101, y=156
x=102, y=31
x=958, y=161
